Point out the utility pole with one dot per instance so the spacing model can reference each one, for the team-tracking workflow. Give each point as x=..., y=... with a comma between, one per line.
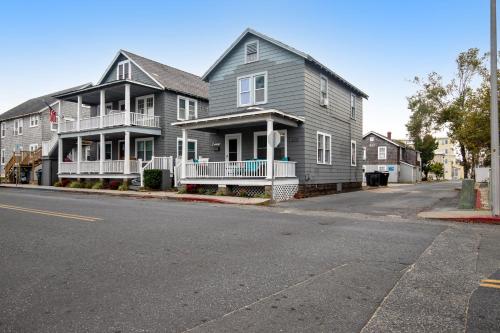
x=495, y=170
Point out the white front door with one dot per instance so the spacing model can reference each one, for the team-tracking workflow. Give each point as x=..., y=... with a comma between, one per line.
x=233, y=147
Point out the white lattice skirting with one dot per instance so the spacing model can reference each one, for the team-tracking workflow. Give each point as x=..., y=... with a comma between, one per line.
x=251, y=191
x=284, y=192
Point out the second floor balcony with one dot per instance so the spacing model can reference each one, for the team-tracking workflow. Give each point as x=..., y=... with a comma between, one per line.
x=112, y=119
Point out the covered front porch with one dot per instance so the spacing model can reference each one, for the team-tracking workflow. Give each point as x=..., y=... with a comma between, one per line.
x=247, y=149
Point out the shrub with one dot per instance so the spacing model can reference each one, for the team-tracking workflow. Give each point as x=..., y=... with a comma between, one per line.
x=192, y=188
x=152, y=179
x=182, y=190
x=243, y=193
x=75, y=184
x=210, y=192
x=97, y=186
x=123, y=187
x=220, y=192
x=201, y=190
x=114, y=184
x=65, y=182
x=88, y=185
x=58, y=184
x=263, y=196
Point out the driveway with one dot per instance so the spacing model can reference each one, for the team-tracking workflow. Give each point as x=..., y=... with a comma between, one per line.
x=93, y=263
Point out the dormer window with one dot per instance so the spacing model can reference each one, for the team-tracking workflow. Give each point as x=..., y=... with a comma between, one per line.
x=251, y=51
x=123, y=70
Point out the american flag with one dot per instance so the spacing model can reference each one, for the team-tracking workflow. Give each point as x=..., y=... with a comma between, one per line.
x=52, y=113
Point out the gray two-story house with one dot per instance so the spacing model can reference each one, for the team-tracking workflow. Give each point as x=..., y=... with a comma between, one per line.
x=279, y=121
x=129, y=126
x=382, y=153
x=27, y=128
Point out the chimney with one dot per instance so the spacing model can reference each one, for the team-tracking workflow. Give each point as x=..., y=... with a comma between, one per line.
x=389, y=134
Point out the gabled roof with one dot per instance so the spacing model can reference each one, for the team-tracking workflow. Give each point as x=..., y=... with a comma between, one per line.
x=166, y=77
x=384, y=138
x=301, y=54
x=37, y=104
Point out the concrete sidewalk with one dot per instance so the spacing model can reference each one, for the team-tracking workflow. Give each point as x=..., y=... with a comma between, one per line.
x=155, y=195
x=462, y=215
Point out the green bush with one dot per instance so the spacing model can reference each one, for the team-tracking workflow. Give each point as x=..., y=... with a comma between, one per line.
x=58, y=184
x=88, y=184
x=98, y=186
x=75, y=184
x=201, y=190
x=152, y=179
x=123, y=187
x=220, y=192
x=243, y=193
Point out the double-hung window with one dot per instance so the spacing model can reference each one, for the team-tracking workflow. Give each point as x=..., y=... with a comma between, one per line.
x=353, y=153
x=2, y=130
x=187, y=108
x=145, y=105
x=34, y=120
x=18, y=126
x=33, y=147
x=53, y=126
x=251, y=51
x=260, y=145
x=192, y=148
x=144, y=149
x=108, y=150
x=252, y=89
x=2, y=156
x=323, y=90
x=382, y=153
x=123, y=70
x=353, y=106
x=324, y=148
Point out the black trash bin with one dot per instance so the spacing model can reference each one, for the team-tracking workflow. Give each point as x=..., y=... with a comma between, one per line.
x=384, y=178
x=39, y=176
x=372, y=178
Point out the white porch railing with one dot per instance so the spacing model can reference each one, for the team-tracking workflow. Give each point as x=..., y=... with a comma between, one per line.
x=89, y=167
x=67, y=167
x=48, y=146
x=238, y=169
x=114, y=118
x=93, y=167
x=157, y=162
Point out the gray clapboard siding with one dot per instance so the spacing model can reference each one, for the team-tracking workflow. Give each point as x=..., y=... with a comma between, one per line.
x=136, y=73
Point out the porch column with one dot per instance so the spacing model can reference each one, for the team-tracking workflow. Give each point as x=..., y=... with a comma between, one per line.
x=78, y=112
x=102, y=153
x=59, y=154
x=126, y=166
x=102, y=110
x=270, y=149
x=59, y=117
x=78, y=154
x=184, y=152
x=127, y=104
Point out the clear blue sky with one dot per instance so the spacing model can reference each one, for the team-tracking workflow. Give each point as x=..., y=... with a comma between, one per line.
x=377, y=45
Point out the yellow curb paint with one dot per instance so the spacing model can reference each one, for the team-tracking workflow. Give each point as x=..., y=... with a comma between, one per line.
x=490, y=281
x=51, y=213
x=487, y=285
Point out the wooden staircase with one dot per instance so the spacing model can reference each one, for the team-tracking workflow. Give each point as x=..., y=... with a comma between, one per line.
x=24, y=159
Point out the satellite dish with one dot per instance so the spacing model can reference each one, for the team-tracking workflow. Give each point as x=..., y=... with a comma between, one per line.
x=275, y=139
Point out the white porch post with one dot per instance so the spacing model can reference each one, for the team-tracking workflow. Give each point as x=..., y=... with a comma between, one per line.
x=184, y=152
x=127, y=104
x=126, y=166
x=102, y=153
x=270, y=149
x=102, y=111
x=78, y=112
x=59, y=154
x=59, y=117
x=78, y=154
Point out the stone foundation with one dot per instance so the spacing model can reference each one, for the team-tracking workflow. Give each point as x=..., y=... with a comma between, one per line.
x=312, y=190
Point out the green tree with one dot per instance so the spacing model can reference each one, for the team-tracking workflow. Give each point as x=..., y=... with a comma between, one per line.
x=437, y=169
x=438, y=106
x=426, y=146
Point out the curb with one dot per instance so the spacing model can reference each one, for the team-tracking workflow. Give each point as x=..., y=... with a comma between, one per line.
x=473, y=219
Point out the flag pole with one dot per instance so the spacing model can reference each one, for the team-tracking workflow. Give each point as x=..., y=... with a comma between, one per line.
x=495, y=162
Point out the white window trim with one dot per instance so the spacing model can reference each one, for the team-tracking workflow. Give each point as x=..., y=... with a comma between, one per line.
x=53, y=124
x=378, y=153
x=325, y=135
x=145, y=100
x=145, y=139
x=120, y=103
x=355, y=153
x=187, y=99
x=99, y=150
x=231, y=136
x=372, y=138
x=353, y=96
x=118, y=70
x=37, y=118
x=2, y=156
x=3, y=129
x=264, y=133
x=258, y=51
x=33, y=145
x=252, y=89
x=189, y=140
x=321, y=76
x=16, y=126
x=364, y=153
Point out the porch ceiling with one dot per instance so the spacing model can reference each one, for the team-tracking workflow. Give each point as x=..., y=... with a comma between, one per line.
x=114, y=91
x=240, y=119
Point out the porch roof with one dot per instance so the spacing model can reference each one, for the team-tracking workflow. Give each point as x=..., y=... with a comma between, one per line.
x=114, y=91
x=240, y=118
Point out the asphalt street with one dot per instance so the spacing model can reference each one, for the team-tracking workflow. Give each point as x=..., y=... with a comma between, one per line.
x=344, y=263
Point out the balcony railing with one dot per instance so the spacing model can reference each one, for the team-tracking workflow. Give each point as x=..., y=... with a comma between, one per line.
x=238, y=169
x=113, y=119
x=93, y=167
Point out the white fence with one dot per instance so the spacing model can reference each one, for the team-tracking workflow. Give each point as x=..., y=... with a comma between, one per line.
x=114, y=118
x=238, y=169
x=93, y=167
